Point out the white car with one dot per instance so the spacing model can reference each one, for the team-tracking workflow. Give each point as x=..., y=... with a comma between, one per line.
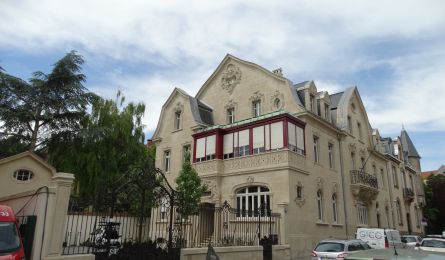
x=337, y=249
x=411, y=240
x=433, y=244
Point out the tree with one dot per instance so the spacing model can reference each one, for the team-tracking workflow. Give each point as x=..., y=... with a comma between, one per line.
x=189, y=189
x=435, y=203
x=48, y=104
x=109, y=143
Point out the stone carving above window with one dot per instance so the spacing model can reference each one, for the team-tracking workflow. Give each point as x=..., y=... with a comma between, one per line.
x=250, y=179
x=334, y=187
x=277, y=100
x=231, y=104
x=211, y=188
x=231, y=78
x=319, y=183
x=352, y=147
x=179, y=107
x=257, y=96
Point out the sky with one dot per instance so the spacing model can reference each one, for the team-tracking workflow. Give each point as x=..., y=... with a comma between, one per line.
x=393, y=51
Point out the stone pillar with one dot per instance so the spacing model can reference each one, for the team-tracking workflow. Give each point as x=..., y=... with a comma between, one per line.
x=282, y=210
x=57, y=212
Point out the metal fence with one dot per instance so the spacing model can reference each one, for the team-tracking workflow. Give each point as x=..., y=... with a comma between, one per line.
x=360, y=177
x=165, y=229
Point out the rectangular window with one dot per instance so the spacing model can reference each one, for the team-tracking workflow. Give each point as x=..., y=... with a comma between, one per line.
x=362, y=214
x=276, y=135
x=327, y=112
x=228, y=146
x=177, y=120
x=205, y=148
x=296, y=138
x=316, y=155
x=230, y=115
x=331, y=155
x=243, y=143
x=258, y=140
x=318, y=107
x=396, y=149
x=349, y=124
x=186, y=149
x=167, y=164
x=312, y=103
x=394, y=177
x=256, y=108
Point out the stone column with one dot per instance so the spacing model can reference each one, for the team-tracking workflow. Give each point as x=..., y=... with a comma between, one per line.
x=57, y=212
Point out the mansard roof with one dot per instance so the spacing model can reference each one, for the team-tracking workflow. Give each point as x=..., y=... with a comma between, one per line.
x=408, y=145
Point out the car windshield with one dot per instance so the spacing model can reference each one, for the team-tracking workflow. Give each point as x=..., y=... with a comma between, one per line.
x=433, y=243
x=329, y=247
x=410, y=239
x=9, y=238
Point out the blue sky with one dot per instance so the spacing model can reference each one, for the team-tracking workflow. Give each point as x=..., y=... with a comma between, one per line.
x=393, y=51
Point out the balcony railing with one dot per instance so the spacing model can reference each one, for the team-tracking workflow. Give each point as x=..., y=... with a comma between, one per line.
x=408, y=193
x=362, y=178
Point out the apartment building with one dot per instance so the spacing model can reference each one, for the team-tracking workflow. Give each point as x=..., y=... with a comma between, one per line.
x=259, y=140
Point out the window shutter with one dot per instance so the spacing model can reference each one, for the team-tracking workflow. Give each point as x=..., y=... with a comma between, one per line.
x=258, y=137
x=243, y=138
x=228, y=143
x=291, y=133
x=200, y=147
x=276, y=136
x=210, y=149
x=300, y=138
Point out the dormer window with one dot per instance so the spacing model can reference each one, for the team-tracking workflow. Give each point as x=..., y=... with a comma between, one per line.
x=312, y=103
x=177, y=120
x=23, y=175
x=231, y=115
x=256, y=108
x=326, y=112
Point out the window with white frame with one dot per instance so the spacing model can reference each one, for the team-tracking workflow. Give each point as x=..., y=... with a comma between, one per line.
x=252, y=200
x=362, y=214
x=334, y=208
x=331, y=155
x=23, y=175
x=167, y=162
x=319, y=206
x=231, y=115
x=205, y=148
x=177, y=120
x=296, y=138
x=259, y=144
x=256, y=108
x=242, y=147
x=396, y=149
x=315, y=149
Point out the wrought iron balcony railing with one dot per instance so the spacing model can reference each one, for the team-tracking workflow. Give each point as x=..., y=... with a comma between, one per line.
x=408, y=193
x=360, y=177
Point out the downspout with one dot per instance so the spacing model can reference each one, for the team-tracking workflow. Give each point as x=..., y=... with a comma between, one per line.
x=343, y=185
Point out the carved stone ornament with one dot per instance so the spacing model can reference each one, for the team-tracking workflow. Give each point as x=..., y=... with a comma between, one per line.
x=230, y=78
x=352, y=147
x=363, y=152
x=250, y=179
x=334, y=187
x=179, y=107
x=277, y=100
x=364, y=194
x=211, y=186
x=231, y=104
x=300, y=198
x=319, y=183
x=256, y=96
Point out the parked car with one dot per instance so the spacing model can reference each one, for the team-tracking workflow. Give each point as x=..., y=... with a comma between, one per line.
x=337, y=249
x=432, y=244
x=390, y=253
x=11, y=246
x=378, y=238
x=411, y=240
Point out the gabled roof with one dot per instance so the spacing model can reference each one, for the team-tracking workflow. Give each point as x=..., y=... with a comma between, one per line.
x=408, y=145
x=32, y=156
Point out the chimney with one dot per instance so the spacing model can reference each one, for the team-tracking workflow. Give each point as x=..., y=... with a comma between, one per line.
x=278, y=72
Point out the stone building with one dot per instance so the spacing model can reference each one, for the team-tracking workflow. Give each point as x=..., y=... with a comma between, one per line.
x=312, y=156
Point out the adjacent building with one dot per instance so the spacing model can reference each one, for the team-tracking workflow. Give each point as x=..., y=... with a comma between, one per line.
x=259, y=140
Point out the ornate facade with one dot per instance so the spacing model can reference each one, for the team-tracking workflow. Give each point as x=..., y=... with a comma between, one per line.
x=257, y=139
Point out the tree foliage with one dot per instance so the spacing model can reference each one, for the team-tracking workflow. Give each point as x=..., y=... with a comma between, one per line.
x=109, y=143
x=48, y=104
x=435, y=203
x=189, y=189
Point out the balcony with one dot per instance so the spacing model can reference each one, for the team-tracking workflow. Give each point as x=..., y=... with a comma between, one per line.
x=364, y=185
x=408, y=194
x=280, y=159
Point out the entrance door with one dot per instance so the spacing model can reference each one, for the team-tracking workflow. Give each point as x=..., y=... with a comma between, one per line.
x=206, y=222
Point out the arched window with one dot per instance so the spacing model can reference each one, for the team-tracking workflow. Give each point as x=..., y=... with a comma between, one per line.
x=251, y=200
x=23, y=175
x=334, y=208
x=320, y=205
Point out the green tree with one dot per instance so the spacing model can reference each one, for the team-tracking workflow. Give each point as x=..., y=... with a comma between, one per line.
x=435, y=203
x=48, y=104
x=101, y=154
x=189, y=189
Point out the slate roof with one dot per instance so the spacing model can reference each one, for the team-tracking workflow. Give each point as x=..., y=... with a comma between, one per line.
x=202, y=113
x=408, y=145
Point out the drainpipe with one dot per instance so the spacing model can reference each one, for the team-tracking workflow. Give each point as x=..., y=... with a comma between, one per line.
x=343, y=185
